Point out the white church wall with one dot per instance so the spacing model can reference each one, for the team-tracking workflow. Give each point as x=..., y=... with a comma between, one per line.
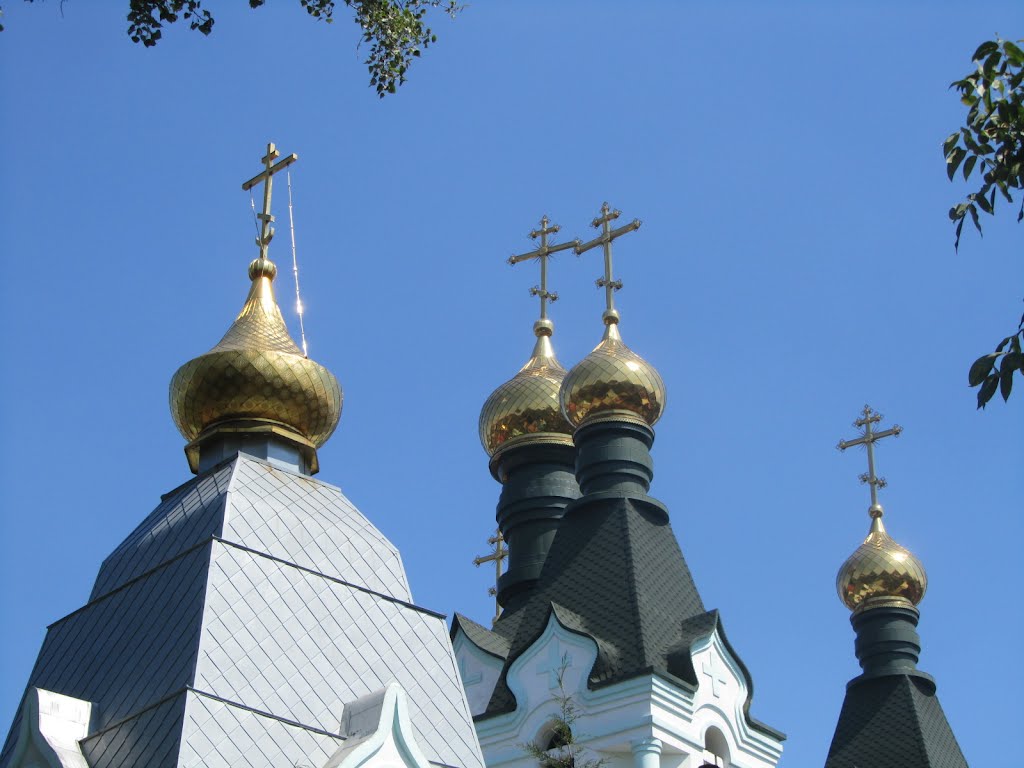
x=645, y=722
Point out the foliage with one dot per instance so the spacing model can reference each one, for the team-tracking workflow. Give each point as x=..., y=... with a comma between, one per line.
x=991, y=143
x=563, y=749
x=394, y=29
x=991, y=373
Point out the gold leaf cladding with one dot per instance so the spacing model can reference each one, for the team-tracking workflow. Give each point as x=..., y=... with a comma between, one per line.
x=613, y=378
x=880, y=567
x=527, y=404
x=256, y=372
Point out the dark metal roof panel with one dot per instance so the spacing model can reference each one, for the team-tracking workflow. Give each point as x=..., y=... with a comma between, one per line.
x=151, y=738
x=188, y=515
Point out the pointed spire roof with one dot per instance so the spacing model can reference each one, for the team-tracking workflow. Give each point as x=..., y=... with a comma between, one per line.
x=891, y=714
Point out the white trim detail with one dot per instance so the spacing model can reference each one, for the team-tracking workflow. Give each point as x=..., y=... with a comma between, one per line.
x=623, y=722
x=378, y=733
x=478, y=669
x=51, y=727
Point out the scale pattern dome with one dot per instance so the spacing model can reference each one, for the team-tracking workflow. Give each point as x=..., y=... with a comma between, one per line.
x=527, y=404
x=880, y=568
x=613, y=378
x=256, y=372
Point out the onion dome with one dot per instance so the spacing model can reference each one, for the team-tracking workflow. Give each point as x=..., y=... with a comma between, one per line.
x=613, y=381
x=256, y=380
x=526, y=408
x=880, y=568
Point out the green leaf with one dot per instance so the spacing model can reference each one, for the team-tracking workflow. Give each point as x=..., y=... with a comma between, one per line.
x=1010, y=363
x=1013, y=53
x=981, y=368
x=984, y=50
x=949, y=143
x=982, y=202
x=973, y=210
x=987, y=390
x=969, y=165
x=953, y=161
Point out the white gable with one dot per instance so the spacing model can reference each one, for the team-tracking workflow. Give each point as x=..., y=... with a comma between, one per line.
x=378, y=733
x=51, y=727
x=479, y=671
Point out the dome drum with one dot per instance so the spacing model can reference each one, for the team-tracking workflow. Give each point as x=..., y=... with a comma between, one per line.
x=266, y=439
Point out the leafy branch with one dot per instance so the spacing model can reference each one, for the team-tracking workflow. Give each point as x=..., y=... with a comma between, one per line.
x=992, y=141
x=395, y=30
x=991, y=147
x=990, y=373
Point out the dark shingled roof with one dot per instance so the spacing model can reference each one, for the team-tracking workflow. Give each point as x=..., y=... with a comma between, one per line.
x=483, y=638
x=616, y=574
x=616, y=565
x=894, y=720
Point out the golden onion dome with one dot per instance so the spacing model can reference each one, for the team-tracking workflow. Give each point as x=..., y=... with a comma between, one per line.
x=880, y=568
x=613, y=379
x=256, y=374
x=526, y=407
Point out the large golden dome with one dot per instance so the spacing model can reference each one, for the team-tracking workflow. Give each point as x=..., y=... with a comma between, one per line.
x=526, y=407
x=256, y=374
x=612, y=378
x=880, y=568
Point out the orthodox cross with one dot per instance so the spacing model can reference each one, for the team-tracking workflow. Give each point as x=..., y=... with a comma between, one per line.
x=267, y=176
x=604, y=221
x=711, y=669
x=497, y=557
x=867, y=419
x=542, y=254
x=556, y=666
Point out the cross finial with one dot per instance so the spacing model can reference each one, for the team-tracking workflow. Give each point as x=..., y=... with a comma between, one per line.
x=497, y=557
x=868, y=438
x=267, y=176
x=542, y=254
x=610, y=285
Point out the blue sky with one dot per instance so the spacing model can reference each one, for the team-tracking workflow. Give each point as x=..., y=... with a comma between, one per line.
x=795, y=262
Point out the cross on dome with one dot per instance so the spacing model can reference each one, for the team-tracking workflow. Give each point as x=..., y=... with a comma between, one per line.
x=868, y=438
x=267, y=176
x=497, y=556
x=608, y=234
x=542, y=254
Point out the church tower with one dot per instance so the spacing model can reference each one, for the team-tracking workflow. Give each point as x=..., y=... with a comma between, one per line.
x=891, y=714
x=255, y=617
x=609, y=654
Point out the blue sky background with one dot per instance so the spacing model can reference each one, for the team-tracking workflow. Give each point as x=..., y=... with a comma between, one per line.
x=795, y=262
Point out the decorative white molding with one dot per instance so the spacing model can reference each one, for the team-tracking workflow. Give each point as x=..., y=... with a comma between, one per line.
x=646, y=753
x=51, y=727
x=479, y=671
x=623, y=722
x=378, y=733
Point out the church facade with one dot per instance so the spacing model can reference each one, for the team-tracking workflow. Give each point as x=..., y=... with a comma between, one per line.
x=257, y=618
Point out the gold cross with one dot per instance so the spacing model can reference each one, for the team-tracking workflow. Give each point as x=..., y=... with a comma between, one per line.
x=868, y=438
x=542, y=254
x=605, y=238
x=267, y=176
x=497, y=557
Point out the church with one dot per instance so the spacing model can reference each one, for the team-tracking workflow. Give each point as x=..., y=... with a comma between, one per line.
x=257, y=618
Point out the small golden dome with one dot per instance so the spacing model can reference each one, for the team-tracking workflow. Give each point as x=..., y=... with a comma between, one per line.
x=612, y=378
x=527, y=405
x=256, y=373
x=880, y=568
